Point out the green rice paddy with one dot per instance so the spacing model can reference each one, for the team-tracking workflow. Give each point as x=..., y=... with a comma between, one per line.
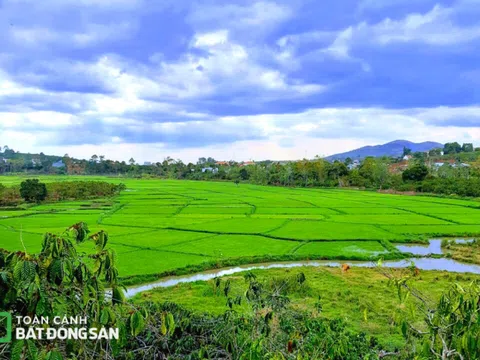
x=159, y=226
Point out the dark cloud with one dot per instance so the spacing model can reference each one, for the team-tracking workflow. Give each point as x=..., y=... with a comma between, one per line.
x=173, y=135
x=133, y=72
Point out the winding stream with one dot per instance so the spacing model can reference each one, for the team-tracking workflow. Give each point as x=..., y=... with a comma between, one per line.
x=424, y=263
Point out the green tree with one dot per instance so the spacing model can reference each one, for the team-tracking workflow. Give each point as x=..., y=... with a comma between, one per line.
x=435, y=152
x=337, y=170
x=467, y=147
x=452, y=148
x=417, y=172
x=32, y=190
x=380, y=173
x=420, y=156
x=406, y=151
x=244, y=174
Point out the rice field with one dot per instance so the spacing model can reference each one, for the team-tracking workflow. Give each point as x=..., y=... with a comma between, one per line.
x=163, y=225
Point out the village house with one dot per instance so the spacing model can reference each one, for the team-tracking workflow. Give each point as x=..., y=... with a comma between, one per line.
x=59, y=164
x=247, y=163
x=222, y=163
x=209, y=169
x=355, y=164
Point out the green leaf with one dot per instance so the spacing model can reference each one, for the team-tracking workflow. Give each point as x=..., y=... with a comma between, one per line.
x=170, y=323
x=163, y=327
x=17, y=350
x=118, y=297
x=54, y=355
x=404, y=328
x=104, y=317
x=137, y=323
x=41, y=306
x=32, y=350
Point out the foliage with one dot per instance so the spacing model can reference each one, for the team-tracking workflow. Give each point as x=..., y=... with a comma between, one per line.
x=61, y=282
x=467, y=147
x=360, y=296
x=452, y=148
x=451, y=327
x=269, y=330
x=80, y=190
x=32, y=190
x=407, y=151
x=452, y=186
x=417, y=172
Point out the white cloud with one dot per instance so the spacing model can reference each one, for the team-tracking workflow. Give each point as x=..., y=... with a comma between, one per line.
x=211, y=39
x=88, y=34
x=261, y=15
x=229, y=66
x=274, y=136
x=10, y=87
x=59, y=4
x=435, y=27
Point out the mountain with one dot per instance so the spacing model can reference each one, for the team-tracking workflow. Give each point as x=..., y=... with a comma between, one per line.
x=394, y=149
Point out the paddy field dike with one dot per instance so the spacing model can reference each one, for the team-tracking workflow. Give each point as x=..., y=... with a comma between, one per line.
x=160, y=226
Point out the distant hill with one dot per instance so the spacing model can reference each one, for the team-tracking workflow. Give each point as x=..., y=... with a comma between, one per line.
x=394, y=148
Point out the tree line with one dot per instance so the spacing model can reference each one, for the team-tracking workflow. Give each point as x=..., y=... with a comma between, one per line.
x=34, y=191
x=441, y=171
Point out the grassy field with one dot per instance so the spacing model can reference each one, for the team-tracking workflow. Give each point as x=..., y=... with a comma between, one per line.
x=361, y=296
x=157, y=226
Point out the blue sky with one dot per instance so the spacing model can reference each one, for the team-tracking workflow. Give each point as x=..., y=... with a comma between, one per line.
x=236, y=80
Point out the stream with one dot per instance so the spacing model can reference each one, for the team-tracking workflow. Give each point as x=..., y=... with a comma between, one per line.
x=423, y=263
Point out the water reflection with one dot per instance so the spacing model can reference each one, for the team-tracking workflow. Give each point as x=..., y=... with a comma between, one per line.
x=434, y=247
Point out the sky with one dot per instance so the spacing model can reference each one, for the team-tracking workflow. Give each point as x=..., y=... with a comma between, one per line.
x=241, y=80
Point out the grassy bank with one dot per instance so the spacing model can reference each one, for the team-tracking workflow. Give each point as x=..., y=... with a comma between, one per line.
x=469, y=253
x=225, y=263
x=360, y=296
